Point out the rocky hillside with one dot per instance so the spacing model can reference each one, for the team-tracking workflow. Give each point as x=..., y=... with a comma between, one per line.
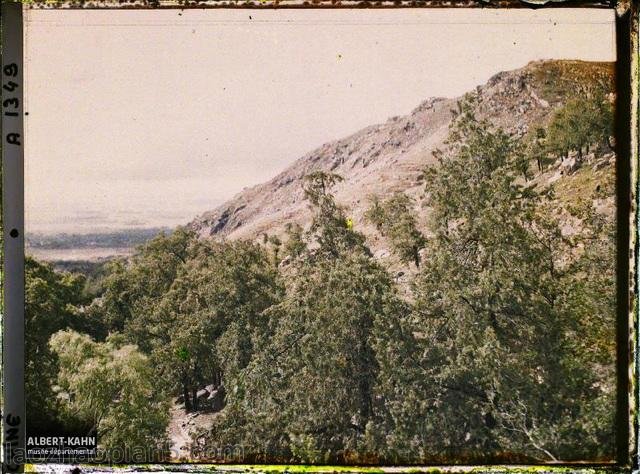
x=388, y=157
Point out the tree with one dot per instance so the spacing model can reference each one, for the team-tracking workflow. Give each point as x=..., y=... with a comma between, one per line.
x=51, y=304
x=294, y=245
x=275, y=244
x=112, y=386
x=396, y=219
x=329, y=229
x=376, y=214
x=580, y=123
x=588, y=298
x=203, y=329
x=600, y=119
x=135, y=285
x=536, y=149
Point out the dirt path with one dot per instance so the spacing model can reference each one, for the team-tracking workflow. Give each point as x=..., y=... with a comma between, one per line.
x=181, y=425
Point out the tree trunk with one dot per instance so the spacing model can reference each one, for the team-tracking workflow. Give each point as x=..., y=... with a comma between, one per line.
x=185, y=395
x=194, y=396
x=366, y=404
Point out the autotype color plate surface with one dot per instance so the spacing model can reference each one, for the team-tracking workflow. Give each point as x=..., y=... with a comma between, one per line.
x=320, y=236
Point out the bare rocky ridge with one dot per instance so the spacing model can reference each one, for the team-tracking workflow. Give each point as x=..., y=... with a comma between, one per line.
x=389, y=157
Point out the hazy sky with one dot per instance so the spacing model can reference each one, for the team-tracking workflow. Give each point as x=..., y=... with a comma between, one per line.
x=140, y=118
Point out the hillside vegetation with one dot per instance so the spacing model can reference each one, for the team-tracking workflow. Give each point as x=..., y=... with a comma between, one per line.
x=439, y=288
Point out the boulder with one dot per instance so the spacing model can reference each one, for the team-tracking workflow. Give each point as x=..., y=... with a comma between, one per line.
x=202, y=393
x=217, y=399
x=570, y=165
x=601, y=164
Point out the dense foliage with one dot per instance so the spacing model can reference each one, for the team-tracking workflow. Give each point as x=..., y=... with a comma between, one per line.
x=52, y=302
x=582, y=122
x=395, y=219
x=111, y=386
x=499, y=348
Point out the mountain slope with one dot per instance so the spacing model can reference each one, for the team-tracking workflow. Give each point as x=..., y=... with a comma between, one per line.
x=389, y=157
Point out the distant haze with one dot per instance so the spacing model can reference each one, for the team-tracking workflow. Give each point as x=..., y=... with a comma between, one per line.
x=151, y=117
